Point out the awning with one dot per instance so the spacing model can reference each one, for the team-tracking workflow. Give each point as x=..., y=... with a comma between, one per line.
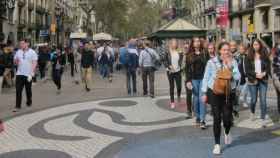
x=78, y=35
x=102, y=37
x=179, y=28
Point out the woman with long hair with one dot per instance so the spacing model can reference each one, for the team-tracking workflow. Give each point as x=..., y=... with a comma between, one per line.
x=196, y=62
x=257, y=66
x=221, y=103
x=188, y=91
x=173, y=63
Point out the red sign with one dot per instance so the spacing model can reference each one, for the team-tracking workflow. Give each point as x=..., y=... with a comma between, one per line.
x=222, y=13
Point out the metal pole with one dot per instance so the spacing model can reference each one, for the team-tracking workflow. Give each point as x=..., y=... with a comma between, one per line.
x=57, y=31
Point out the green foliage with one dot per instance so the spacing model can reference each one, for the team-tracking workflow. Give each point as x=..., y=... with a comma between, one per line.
x=128, y=18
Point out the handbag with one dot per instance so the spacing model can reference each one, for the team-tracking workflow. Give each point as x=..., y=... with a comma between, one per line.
x=157, y=63
x=222, y=83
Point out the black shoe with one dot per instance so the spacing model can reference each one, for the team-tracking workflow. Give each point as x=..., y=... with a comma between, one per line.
x=29, y=103
x=189, y=115
x=203, y=125
x=87, y=89
x=152, y=96
x=16, y=110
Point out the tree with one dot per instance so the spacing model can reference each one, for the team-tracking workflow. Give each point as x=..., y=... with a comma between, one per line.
x=88, y=6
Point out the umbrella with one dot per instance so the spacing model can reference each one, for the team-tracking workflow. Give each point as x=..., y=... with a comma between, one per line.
x=102, y=37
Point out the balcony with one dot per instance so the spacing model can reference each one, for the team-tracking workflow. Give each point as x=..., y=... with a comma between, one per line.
x=242, y=8
x=31, y=26
x=40, y=9
x=21, y=3
x=30, y=6
x=263, y=3
x=210, y=10
x=21, y=24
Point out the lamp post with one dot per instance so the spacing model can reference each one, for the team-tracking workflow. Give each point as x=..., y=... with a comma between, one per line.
x=59, y=13
x=4, y=5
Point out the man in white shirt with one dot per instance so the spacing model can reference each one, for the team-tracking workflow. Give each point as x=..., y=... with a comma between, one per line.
x=26, y=61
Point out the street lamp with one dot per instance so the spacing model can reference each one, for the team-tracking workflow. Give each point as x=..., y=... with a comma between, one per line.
x=59, y=22
x=4, y=5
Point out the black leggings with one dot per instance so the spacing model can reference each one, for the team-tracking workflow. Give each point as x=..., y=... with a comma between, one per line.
x=221, y=111
x=57, y=75
x=174, y=77
x=278, y=100
x=189, y=100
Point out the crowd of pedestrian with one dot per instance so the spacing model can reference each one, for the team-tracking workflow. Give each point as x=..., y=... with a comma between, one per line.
x=222, y=75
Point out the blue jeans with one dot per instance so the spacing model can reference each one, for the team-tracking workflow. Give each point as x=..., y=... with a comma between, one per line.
x=199, y=107
x=244, y=92
x=131, y=78
x=104, y=70
x=260, y=88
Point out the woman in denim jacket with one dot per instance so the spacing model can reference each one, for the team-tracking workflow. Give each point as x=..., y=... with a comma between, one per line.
x=222, y=106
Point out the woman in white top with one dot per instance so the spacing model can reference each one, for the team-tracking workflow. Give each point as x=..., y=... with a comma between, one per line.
x=257, y=66
x=173, y=63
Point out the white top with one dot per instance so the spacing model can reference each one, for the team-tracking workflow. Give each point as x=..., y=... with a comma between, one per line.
x=175, y=61
x=109, y=51
x=25, y=61
x=258, y=66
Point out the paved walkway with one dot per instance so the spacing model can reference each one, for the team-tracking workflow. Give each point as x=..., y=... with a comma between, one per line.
x=44, y=94
x=129, y=127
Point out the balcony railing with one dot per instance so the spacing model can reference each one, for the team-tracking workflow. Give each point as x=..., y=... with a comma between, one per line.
x=21, y=24
x=242, y=7
x=40, y=9
x=32, y=26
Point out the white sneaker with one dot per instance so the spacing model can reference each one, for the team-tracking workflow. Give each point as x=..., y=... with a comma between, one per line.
x=228, y=139
x=252, y=117
x=263, y=123
x=245, y=105
x=217, y=149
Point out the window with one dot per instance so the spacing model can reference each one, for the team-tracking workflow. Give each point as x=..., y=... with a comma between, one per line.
x=277, y=20
x=265, y=19
x=11, y=15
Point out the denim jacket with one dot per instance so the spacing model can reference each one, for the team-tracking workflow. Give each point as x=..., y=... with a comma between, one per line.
x=213, y=65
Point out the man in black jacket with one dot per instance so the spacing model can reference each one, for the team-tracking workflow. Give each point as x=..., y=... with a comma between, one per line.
x=86, y=63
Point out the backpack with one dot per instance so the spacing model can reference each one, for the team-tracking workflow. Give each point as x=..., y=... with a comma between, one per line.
x=123, y=56
x=155, y=61
x=222, y=83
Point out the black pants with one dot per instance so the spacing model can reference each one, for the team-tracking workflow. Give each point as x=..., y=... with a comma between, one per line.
x=57, y=75
x=222, y=110
x=72, y=66
x=21, y=82
x=278, y=100
x=42, y=69
x=174, y=77
x=131, y=77
x=148, y=72
x=189, y=100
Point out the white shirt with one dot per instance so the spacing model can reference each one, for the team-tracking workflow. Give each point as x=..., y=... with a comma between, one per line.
x=175, y=61
x=258, y=66
x=109, y=51
x=25, y=61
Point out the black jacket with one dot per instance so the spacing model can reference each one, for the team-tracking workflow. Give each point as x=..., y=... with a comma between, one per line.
x=58, y=59
x=195, y=66
x=167, y=59
x=276, y=64
x=241, y=67
x=250, y=69
x=43, y=58
x=87, y=58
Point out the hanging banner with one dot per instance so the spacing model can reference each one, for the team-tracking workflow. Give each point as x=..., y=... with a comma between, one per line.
x=222, y=10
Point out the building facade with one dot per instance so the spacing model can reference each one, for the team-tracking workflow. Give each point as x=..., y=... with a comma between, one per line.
x=241, y=20
x=276, y=21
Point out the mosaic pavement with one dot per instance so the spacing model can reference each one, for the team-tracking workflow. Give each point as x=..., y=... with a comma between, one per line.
x=126, y=128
